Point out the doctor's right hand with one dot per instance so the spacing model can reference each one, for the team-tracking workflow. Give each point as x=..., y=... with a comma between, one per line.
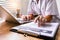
x=40, y=20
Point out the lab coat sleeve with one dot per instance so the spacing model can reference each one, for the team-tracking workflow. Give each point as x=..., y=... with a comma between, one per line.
x=29, y=10
x=51, y=8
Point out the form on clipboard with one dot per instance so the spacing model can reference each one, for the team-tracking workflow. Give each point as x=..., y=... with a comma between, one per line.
x=48, y=30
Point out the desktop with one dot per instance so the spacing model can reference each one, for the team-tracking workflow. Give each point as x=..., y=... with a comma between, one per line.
x=47, y=32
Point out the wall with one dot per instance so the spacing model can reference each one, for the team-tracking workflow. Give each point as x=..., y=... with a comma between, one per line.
x=11, y=5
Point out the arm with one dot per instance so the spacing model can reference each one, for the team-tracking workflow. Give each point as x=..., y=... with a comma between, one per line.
x=30, y=11
x=49, y=11
x=41, y=20
x=48, y=18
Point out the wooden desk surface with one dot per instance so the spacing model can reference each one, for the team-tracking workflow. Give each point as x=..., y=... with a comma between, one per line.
x=5, y=34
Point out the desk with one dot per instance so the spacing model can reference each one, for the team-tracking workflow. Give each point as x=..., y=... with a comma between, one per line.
x=5, y=34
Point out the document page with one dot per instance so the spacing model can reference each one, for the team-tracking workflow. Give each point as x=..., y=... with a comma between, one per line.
x=48, y=29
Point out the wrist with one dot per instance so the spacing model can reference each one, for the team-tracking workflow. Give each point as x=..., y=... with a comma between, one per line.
x=31, y=16
x=48, y=18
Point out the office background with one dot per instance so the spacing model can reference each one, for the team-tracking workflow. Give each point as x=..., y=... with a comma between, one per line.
x=13, y=5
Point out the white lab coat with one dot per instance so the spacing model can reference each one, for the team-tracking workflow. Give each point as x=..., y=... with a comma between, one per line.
x=44, y=7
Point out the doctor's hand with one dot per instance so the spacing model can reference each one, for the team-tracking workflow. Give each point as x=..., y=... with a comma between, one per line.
x=40, y=20
x=27, y=17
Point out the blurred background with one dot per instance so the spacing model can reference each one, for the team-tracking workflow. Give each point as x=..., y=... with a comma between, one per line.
x=22, y=5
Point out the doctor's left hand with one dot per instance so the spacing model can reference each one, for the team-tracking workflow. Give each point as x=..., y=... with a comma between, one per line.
x=40, y=20
x=27, y=17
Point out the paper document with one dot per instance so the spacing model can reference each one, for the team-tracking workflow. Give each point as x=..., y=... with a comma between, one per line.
x=48, y=29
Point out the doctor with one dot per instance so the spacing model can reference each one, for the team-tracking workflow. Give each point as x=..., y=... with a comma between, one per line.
x=45, y=9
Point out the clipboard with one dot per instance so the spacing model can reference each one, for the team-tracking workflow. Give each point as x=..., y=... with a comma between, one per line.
x=46, y=32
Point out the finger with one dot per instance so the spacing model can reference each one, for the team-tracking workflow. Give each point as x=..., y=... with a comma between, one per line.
x=41, y=19
x=38, y=23
x=36, y=19
x=28, y=18
x=24, y=18
x=42, y=22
